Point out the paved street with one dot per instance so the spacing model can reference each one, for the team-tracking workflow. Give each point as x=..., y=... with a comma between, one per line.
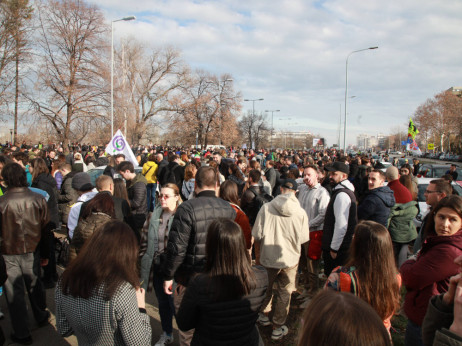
x=48, y=335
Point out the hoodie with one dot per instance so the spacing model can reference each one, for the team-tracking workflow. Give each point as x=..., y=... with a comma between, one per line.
x=281, y=227
x=376, y=205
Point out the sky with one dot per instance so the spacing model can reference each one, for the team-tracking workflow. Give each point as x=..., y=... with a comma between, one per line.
x=292, y=53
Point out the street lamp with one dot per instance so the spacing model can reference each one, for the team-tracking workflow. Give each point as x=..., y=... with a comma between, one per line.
x=272, y=115
x=112, y=68
x=11, y=137
x=253, y=102
x=346, y=92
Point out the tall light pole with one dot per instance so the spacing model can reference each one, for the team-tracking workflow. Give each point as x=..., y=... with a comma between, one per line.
x=253, y=104
x=272, y=117
x=346, y=93
x=112, y=68
x=285, y=133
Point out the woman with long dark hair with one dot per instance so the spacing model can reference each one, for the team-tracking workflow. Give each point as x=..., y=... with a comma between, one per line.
x=370, y=271
x=428, y=273
x=98, y=298
x=229, y=192
x=222, y=303
x=42, y=179
x=235, y=175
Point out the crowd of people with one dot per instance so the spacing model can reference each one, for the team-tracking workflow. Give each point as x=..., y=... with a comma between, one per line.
x=226, y=239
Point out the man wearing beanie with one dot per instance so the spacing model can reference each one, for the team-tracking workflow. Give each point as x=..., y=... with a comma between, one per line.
x=81, y=182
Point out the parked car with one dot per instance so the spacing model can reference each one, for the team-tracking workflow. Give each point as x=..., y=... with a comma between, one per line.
x=435, y=171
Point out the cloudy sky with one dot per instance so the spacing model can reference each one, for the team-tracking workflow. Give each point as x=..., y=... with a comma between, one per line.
x=292, y=53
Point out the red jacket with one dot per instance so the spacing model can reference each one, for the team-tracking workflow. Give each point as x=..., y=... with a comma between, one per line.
x=429, y=274
x=243, y=221
x=402, y=194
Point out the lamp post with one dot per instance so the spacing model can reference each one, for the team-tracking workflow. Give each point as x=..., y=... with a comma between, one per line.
x=112, y=68
x=272, y=117
x=11, y=137
x=253, y=104
x=346, y=92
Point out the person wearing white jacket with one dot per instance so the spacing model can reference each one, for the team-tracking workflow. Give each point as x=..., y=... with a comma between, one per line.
x=281, y=227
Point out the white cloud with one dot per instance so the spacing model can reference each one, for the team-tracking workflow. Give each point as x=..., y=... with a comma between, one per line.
x=292, y=53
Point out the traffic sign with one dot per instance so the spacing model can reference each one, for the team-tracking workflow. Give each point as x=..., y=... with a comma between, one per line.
x=431, y=146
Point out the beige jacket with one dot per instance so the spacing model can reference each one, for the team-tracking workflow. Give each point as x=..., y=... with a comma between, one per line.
x=281, y=228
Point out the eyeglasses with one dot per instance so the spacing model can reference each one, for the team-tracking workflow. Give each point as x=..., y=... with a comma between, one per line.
x=426, y=191
x=165, y=196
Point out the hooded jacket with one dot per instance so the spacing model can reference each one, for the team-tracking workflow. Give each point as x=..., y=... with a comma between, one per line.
x=376, y=205
x=150, y=172
x=429, y=274
x=401, y=222
x=281, y=227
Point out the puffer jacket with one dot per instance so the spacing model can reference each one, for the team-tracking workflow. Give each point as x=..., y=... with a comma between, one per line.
x=376, y=205
x=222, y=323
x=429, y=274
x=22, y=234
x=137, y=194
x=401, y=222
x=68, y=195
x=47, y=183
x=85, y=228
x=186, y=240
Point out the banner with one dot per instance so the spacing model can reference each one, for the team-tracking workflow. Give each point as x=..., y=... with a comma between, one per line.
x=119, y=145
x=413, y=148
x=412, y=130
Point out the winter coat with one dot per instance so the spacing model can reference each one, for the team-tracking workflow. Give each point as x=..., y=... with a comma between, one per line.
x=153, y=245
x=401, y=192
x=85, y=228
x=438, y=320
x=376, y=205
x=401, y=222
x=230, y=323
x=150, y=172
x=186, y=240
x=47, y=183
x=281, y=228
x=243, y=221
x=429, y=274
x=137, y=194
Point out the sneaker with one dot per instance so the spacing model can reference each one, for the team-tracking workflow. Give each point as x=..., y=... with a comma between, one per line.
x=21, y=341
x=302, y=296
x=263, y=320
x=279, y=333
x=164, y=339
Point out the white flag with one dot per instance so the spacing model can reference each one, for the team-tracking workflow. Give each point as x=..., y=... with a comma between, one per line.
x=119, y=145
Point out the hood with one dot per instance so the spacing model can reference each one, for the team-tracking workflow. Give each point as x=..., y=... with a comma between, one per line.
x=385, y=194
x=433, y=239
x=286, y=204
x=345, y=184
x=139, y=178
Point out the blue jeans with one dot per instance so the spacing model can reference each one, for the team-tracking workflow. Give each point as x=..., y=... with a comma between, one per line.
x=151, y=195
x=413, y=335
x=166, y=308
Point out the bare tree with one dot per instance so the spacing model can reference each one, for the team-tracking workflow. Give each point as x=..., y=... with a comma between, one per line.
x=15, y=30
x=72, y=77
x=146, y=83
x=254, y=129
x=206, y=109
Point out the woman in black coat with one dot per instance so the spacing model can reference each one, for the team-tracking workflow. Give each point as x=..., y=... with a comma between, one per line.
x=42, y=179
x=222, y=304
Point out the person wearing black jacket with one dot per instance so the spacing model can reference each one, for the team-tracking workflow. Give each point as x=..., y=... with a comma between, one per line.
x=161, y=167
x=186, y=240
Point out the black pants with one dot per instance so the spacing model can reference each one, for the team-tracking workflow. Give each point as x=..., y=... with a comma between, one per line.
x=330, y=263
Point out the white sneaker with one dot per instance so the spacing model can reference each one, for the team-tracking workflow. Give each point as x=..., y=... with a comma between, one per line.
x=263, y=320
x=164, y=340
x=279, y=333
